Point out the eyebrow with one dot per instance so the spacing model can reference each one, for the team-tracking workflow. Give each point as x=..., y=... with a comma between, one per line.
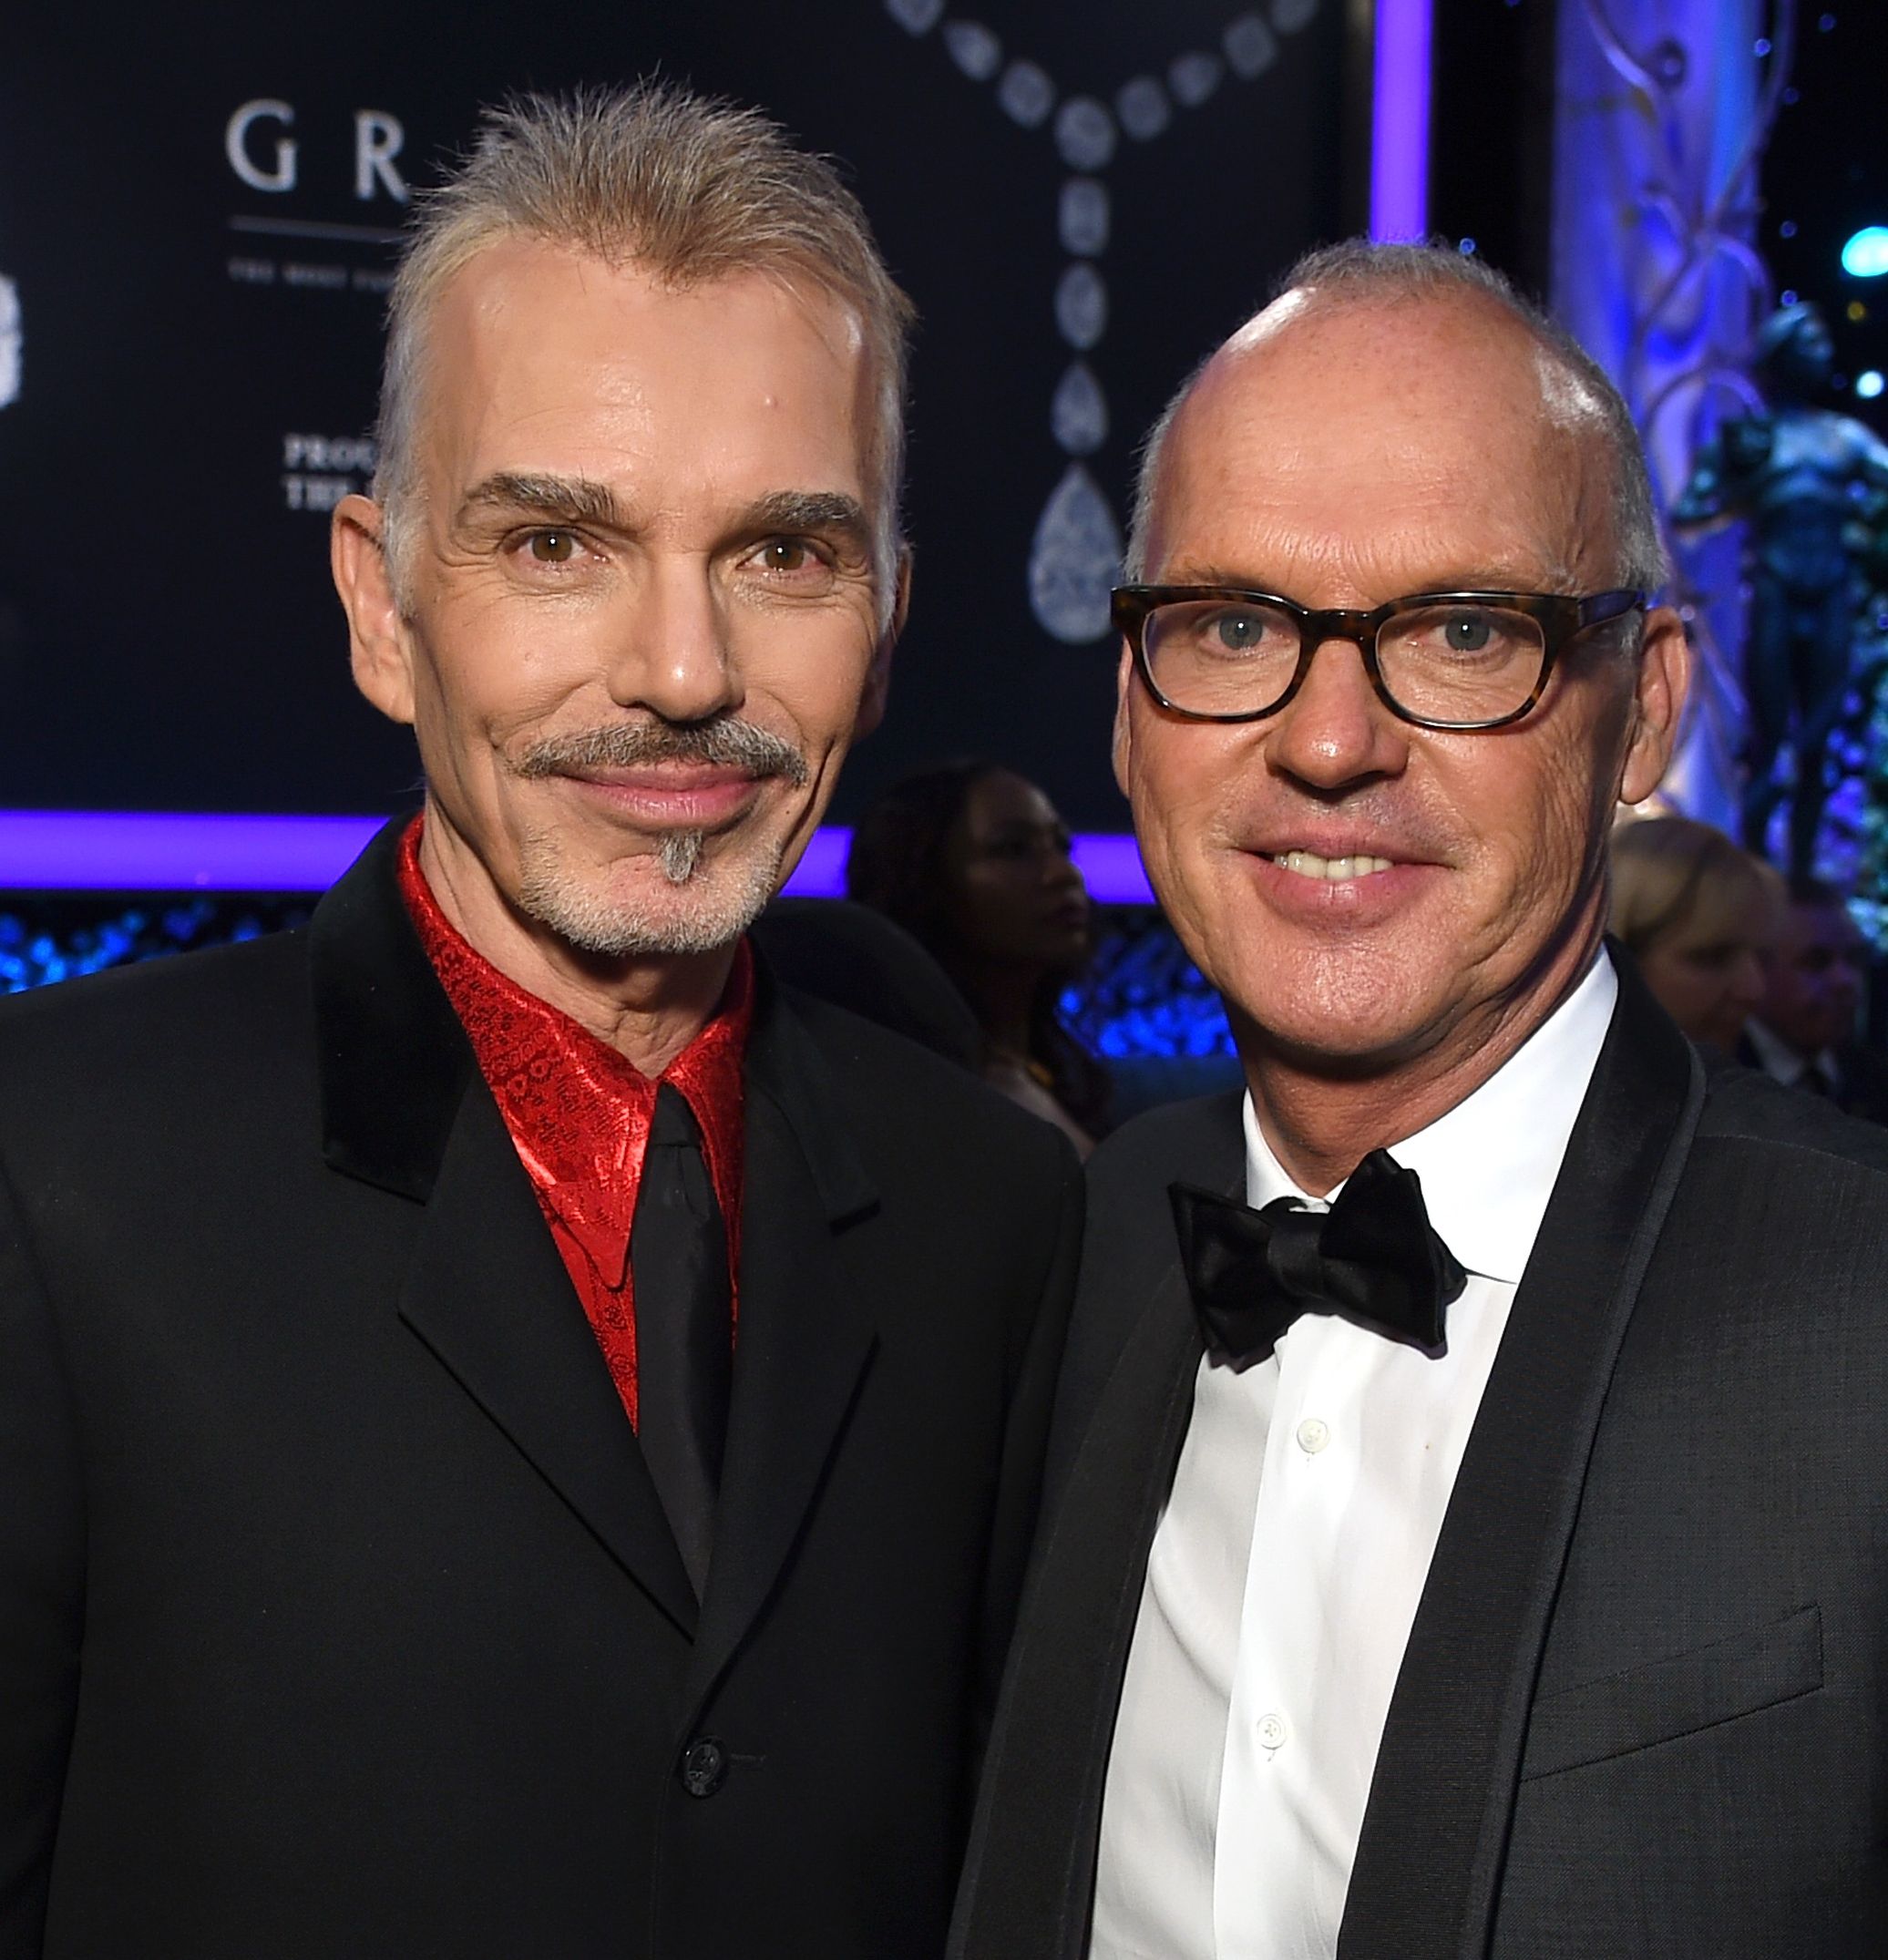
x=581, y=500
x=567, y=499
x=824, y=513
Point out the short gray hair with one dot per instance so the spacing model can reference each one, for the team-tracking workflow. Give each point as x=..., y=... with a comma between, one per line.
x=691, y=188
x=1359, y=269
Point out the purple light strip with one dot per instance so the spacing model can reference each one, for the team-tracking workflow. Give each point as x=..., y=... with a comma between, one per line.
x=1399, y=120
x=116, y=850
x=122, y=850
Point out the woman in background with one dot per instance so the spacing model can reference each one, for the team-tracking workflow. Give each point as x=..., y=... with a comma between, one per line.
x=1697, y=914
x=973, y=860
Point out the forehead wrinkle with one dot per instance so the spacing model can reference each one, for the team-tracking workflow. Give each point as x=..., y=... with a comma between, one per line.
x=1552, y=537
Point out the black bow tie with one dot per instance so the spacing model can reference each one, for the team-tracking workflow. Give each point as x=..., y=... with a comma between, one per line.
x=1372, y=1258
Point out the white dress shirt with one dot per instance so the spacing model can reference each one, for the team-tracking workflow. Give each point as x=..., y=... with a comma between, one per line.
x=1290, y=1557
x=1783, y=1063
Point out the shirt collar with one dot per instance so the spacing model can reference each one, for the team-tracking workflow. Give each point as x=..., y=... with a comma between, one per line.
x=1488, y=1166
x=577, y=1111
x=1781, y=1061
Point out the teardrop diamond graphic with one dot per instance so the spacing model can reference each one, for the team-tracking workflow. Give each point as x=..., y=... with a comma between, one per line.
x=1079, y=413
x=974, y=48
x=1081, y=305
x=1074, y=560
x=916, y=17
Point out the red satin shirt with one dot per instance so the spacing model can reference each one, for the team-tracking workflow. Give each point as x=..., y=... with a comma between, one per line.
x=580, y=1113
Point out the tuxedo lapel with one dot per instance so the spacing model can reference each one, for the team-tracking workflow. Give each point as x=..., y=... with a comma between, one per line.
x=405, y=1108
x=804, y=1332
x=1122, y=1416
x=1065, y=1686
x=1435, y=1832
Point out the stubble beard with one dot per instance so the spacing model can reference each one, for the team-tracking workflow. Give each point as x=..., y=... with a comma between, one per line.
x=725, y=891
x=724, y=900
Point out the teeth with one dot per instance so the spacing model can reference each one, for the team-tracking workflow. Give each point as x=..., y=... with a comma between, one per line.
x=1308, y=863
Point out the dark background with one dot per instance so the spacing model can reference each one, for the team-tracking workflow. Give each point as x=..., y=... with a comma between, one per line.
x=168, y=636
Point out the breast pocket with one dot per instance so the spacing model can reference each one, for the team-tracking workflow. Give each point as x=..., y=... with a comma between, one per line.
x=1665, y=1700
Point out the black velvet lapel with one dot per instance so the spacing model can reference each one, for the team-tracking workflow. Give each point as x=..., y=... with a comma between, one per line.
x=488, y=1294
x=804, y=1337
x=1122, y=1414
x=405, y=1109
x=1435, y=1833
x=395, y=1062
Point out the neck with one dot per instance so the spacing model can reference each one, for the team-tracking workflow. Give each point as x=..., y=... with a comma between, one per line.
x=1321, y=1123
x=648, y=1008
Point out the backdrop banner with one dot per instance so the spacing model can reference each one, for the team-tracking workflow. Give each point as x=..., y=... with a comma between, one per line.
x=196, y=218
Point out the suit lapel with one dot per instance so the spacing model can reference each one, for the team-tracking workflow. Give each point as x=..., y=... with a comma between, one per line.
x=805, y=1335
x=488, y=1294
x=1092, y=1564
x=1122, y=1415
x=1435, y=1832
x=405, y=1109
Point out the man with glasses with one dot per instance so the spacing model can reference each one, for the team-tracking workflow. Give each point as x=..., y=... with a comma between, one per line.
x=1465, y=1530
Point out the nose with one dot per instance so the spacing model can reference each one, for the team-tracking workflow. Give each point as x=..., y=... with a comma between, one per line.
x=1060, y=868
x=672, y=654
x=1747, y=988
x=1335, y=730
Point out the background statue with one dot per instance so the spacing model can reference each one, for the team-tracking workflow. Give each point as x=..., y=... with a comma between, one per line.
x=1812, y=487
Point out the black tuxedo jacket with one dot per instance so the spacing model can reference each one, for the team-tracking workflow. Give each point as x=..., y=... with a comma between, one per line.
x=338, y=1616
x=1642, y=1709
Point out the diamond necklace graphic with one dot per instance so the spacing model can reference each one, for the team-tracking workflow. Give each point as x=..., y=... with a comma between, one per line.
x=1076, y=553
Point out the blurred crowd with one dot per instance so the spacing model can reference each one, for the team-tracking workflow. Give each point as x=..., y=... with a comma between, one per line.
x=1772, y=972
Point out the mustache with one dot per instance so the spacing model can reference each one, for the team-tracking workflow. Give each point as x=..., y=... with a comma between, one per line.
x=724, y=743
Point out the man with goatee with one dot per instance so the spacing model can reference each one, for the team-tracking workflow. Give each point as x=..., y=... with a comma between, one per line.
x=517, y=1436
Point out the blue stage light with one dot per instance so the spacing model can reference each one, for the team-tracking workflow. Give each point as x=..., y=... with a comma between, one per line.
x=1869, y=384
x=1865, y=256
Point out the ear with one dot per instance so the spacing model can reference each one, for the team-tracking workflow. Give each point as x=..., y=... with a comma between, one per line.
x=878, y=688
x=1660, y=688
x=380, y=644
x=1123, y=743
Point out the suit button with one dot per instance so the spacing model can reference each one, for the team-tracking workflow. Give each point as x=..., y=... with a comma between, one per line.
x=704, y=1767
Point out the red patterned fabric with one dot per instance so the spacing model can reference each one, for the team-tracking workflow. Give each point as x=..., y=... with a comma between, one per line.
x=580, y=1113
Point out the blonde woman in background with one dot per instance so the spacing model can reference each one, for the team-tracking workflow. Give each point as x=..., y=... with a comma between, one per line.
x=1697, y=914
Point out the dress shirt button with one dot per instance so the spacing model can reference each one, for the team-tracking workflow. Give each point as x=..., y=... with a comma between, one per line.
x=1312, y=1435
x=704, y=1767
x=1273, y=1730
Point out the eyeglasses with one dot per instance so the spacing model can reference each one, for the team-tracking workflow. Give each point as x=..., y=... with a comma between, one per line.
x=1439, y=659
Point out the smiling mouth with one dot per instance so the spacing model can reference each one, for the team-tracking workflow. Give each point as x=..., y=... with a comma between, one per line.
x=1330, y=870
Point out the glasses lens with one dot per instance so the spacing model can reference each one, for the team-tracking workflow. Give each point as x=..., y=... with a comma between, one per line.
x=1461, y=662
x=1220, y=656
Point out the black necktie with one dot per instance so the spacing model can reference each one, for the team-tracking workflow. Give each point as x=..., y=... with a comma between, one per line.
x=1372, y=1258
x=684, y=1329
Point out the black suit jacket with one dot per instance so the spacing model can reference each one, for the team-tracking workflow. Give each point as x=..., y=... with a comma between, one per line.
x=338, y=1616
x=1642, y=1709
x=1861, y=1078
